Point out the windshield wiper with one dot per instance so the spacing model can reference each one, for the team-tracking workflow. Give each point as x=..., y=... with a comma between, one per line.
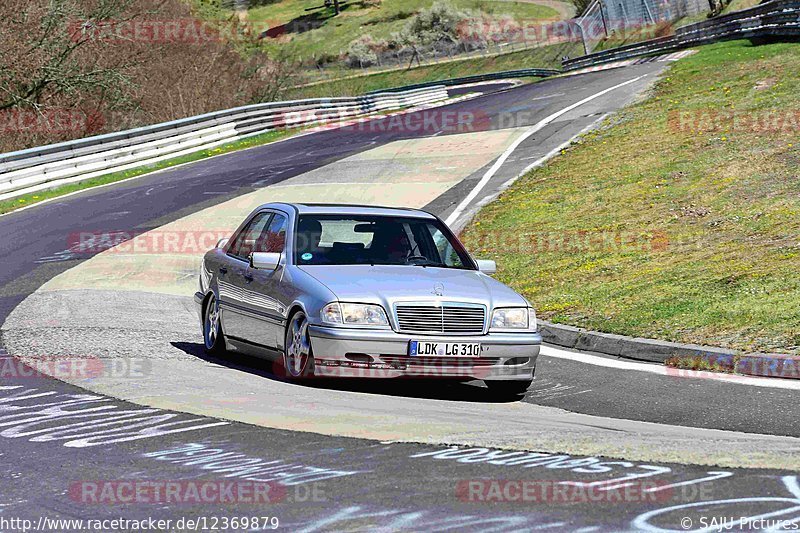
x=418, y=260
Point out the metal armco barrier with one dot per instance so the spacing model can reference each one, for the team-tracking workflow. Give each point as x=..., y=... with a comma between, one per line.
x=49, y=166
x=58, y=164
x=771, y=20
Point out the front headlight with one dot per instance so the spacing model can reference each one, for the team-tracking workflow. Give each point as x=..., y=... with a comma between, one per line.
x=514, y=318
x=354, y=314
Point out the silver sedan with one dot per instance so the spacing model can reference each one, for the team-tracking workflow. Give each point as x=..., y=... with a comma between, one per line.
x=356, y=291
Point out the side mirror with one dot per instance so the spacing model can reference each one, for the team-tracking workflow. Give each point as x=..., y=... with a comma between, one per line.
x=487, y=266
x=222, y=243
x=265, y=260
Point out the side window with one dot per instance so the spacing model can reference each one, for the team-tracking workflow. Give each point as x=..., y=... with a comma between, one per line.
x=245, y=241
x=274, y=238
x=447, y=254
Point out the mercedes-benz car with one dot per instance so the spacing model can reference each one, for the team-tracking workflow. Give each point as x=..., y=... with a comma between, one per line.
x=360, y=291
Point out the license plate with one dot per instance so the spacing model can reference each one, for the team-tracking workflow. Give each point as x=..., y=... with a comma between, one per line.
x=444, y=349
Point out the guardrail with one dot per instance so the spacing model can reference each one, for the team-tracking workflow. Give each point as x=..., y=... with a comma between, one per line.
x=770, y=20
x=521, y=73
x=39, y=168
x=45, y=167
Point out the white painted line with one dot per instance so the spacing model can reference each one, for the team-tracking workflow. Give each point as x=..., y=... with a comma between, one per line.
x=542, y=160
x=713, y=476
x=547, y=96
x=792, y=485
x=661, y=370
x=333, y=183
x=505, y=155
x=515, y=82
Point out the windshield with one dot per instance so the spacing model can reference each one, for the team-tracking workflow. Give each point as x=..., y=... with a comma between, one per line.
x=377, y=240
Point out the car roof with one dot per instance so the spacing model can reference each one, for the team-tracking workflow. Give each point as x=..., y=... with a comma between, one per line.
x=351, y=209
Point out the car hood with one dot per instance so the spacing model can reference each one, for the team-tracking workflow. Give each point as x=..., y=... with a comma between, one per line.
x=387, y=284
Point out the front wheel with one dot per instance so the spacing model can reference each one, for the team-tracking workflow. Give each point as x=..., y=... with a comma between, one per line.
x=298, y=357
x=212, y=328
x=509, y=388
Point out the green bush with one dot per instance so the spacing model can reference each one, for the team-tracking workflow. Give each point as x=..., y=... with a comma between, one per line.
x=362, y=52
x=439, y=23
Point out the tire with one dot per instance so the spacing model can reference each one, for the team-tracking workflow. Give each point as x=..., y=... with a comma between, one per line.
x=509, y=388
x=213, y=338
x=298, y=356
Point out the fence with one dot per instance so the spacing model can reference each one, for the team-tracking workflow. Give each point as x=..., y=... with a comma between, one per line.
x=404, y=58
x=604, y=17
x=593, y=26
x=48, y=166
x=45, y=167
x=778, y=19
x=540, y=41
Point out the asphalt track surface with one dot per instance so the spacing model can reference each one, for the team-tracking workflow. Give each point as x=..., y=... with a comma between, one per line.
x=336, y=483
x=370, y=484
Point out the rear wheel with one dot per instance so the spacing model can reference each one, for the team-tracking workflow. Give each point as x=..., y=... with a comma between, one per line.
x=212, y=328
x=509, y=388
x=298, y=357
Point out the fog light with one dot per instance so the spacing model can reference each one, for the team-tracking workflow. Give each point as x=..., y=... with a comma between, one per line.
x=360, y=357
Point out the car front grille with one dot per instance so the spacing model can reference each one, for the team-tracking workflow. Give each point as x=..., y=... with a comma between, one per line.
x=435, y=362
x=447, y=318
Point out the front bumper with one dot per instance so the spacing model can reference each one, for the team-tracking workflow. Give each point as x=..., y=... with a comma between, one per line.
x=367, y=353
x=198, y=301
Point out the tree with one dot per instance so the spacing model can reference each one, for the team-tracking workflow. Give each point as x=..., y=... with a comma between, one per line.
x=581, y=6
x=93, y=62
x=48, y=50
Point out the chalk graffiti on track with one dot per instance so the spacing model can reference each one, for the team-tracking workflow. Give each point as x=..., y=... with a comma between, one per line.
x=85, y=420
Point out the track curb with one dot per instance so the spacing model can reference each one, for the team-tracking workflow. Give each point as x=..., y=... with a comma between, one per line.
x=658, y=351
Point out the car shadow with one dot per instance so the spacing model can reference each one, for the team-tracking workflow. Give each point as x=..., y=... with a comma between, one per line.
x=432, y=389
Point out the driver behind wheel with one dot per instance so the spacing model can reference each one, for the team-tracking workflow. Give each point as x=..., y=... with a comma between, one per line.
x=390, y=243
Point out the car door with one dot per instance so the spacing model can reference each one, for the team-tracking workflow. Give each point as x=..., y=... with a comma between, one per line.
x=234, y=281
x=271, y=293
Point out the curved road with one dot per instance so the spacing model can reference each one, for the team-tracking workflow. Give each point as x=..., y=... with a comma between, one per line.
x=335, y=447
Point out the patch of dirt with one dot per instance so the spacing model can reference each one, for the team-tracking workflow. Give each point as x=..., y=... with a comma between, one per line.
x=765, y=84
x=691, y=211
x=694, y=211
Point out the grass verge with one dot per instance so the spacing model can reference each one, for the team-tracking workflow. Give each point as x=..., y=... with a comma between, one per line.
x=701, y=364
x=318, y=32
x=544, y=57
x=674, y=222
x=6, y=206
